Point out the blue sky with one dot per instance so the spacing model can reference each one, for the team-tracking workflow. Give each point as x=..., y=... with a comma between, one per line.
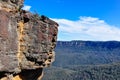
x=97, y=20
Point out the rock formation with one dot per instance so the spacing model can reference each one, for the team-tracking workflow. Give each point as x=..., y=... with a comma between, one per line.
x=27, y=42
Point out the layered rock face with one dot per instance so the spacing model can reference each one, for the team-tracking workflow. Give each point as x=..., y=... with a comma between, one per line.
x=27, y=42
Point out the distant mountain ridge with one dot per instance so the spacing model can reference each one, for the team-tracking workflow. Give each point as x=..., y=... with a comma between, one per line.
x=77, y=43
x=86, y=52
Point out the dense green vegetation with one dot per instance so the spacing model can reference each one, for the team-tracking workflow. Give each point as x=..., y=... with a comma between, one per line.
x=90, y=72
x=85, y=60
x=86, y=52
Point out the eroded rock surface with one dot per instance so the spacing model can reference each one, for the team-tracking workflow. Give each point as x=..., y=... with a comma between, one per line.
x=27, y=42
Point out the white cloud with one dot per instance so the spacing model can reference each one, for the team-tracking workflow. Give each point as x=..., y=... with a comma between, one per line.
x=87, y=28
x=26, y=7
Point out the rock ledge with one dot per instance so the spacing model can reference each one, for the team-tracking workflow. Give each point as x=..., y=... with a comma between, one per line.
x=27, y=42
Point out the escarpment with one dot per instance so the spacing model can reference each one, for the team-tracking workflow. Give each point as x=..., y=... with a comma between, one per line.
x=27, y=42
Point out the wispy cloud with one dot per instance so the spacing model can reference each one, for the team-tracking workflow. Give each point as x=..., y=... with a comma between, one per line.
x=26, y=7
x=87, y=28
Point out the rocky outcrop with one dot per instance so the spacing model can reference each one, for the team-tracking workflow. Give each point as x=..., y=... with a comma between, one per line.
x=27, y=42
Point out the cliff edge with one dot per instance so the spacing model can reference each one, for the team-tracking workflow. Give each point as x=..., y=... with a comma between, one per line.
x=27, y=42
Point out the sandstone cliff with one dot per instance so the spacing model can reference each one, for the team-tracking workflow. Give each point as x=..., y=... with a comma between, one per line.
x=27, y=42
